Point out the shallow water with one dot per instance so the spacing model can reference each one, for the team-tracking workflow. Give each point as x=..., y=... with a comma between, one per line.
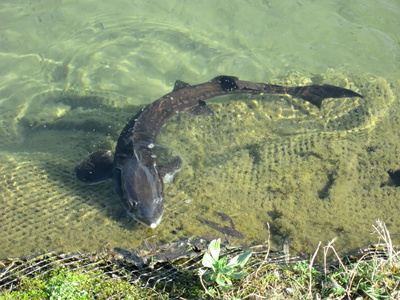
x=110, y=56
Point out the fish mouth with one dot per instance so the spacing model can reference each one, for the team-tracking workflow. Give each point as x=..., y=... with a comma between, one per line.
x=152, y=223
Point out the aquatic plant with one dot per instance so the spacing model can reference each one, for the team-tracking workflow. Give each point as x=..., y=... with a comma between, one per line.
x=220, y=270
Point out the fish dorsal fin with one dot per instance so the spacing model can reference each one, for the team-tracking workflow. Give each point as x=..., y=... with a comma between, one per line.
x=228, y=83
x=220, y=78
x=180, y=85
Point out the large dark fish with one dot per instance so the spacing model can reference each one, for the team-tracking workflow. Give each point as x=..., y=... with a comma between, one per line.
x=137, y=179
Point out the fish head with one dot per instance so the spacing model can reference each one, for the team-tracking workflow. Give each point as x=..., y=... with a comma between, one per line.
x=140, y=187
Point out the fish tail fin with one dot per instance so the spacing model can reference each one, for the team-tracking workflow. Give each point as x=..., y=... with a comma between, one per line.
x=315, y=94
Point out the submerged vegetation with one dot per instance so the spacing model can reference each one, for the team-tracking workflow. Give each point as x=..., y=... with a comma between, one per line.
x=374, y=274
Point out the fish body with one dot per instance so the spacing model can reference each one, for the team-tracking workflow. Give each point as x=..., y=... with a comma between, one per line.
x=137, y=179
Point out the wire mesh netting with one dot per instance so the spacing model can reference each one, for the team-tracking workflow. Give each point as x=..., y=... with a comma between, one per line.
x=121, y=274
x=175, y=263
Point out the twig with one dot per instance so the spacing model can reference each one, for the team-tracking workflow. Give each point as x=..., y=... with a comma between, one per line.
x=202, y=284
x=267, y=254
x=310, y=269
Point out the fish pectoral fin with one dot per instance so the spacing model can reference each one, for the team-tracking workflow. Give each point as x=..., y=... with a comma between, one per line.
x=201, y=110
x=95, y=168
x=169, y=170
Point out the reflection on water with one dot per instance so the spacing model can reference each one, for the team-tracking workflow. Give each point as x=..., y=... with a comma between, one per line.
x=72, y=73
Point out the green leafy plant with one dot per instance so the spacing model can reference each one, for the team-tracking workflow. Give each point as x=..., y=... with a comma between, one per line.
x=220, y=270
